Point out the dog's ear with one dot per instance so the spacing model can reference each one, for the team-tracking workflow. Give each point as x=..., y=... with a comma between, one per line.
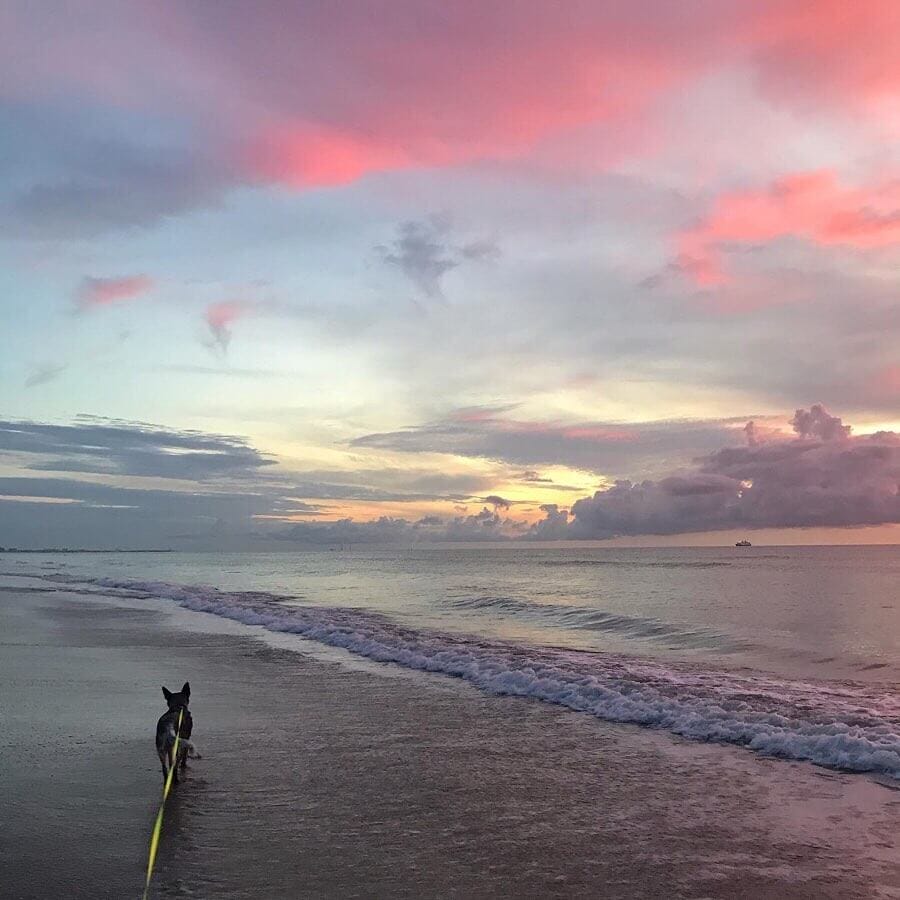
x=167, y=694
x=186, y=690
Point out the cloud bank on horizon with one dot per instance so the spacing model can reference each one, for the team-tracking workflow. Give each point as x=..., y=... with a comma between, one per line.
x=820, y=476
x=425, y=258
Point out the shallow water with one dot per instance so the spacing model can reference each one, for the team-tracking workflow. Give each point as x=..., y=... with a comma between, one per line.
x=790, y=652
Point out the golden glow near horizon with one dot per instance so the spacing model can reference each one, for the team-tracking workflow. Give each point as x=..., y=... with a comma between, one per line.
x=557, y=485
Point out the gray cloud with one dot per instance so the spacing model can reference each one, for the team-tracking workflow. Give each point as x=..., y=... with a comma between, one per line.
x=424, y=252
x=816, y=422
x=93, y=187
x=608, y=448
x=482, y=526
x=532, y=476
x=554, y=526
x=388, y=484
x=822, y=477
x=45, y=373
x=100, y=515
x=831, y=339
x=292, y=506
x=112, y=447
x=103, y=516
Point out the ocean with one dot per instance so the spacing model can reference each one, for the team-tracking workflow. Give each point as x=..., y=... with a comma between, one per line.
x=792, y=653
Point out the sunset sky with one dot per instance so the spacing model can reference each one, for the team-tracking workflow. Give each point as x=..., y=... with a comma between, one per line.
x=280, y=274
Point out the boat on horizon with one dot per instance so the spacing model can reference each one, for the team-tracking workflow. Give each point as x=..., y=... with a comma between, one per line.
x=743, y=543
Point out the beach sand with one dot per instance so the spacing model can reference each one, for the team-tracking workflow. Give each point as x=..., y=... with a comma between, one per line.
x=327, y=777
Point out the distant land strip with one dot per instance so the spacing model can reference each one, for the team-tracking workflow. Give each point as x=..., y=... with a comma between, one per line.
x=78, y=550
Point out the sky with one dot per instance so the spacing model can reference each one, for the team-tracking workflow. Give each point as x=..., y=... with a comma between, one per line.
x=283, y=275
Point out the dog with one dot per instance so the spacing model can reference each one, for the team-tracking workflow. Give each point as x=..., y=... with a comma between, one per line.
x=166, y=729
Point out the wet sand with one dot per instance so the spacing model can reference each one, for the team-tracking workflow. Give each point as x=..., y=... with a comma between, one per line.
x=325, y=777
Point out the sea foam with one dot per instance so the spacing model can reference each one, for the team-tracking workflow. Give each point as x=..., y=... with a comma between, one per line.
x=843, y=725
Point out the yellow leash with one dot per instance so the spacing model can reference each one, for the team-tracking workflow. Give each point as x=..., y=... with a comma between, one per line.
x=157, y=826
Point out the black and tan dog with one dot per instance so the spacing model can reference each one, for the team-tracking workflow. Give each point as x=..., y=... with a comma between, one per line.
x=167, y=727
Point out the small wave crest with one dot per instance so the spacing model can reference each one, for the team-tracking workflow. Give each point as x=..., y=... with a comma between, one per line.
x=848, y=726
x=635, y=563
x=586, y=618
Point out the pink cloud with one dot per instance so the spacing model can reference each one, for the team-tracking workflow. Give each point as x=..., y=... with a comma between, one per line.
x=376, y=90
x=104, y=291
x=600, y=434
x=220, y=316
x=303, y=156
x=400, y=87
x=886, y=382
x=494, y=419
x=829, y=52
x=813, y=206
x=311, y=95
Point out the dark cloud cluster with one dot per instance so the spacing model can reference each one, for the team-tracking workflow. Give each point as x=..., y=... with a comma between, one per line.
x=553, y=526
x=425, y=251
x=486, y=525
x=816, y=422
x=112, y=447
x=823, y=476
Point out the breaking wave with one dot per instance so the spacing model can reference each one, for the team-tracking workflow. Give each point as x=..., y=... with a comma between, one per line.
x=847, y=725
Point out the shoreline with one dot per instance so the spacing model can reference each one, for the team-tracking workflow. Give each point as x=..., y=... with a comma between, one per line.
x=324, y=779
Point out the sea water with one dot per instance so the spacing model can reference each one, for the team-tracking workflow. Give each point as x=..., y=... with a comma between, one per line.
x=790, y=652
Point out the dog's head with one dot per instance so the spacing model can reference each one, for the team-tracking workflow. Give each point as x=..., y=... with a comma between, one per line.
x=179, y=700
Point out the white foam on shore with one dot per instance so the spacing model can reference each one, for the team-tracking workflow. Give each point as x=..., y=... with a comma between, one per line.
x=849, y=726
